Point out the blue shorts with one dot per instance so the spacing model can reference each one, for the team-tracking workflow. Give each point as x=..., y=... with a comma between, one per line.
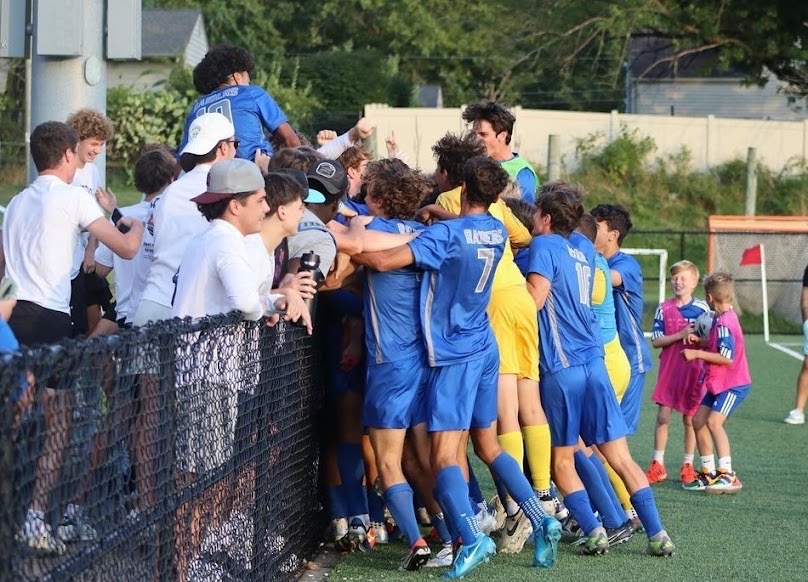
x=580, y=400
x=726, y=402
x=462, y=396
x=396, y=393
x=632, y=401
x=337, y=380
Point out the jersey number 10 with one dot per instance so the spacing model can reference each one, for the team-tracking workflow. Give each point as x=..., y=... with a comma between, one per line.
x=584, y=283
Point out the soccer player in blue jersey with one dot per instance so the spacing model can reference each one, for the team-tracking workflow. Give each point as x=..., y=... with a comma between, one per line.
x=575, y=388
x=459, y=258
x=614, y=223
x=223, y=80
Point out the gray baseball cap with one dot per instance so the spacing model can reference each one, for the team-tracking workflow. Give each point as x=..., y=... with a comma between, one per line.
x=230, y=177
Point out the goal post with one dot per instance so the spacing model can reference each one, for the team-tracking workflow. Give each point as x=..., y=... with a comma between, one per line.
x=661, y=274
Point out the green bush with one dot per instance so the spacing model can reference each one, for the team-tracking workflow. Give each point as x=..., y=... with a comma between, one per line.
x=622, y=159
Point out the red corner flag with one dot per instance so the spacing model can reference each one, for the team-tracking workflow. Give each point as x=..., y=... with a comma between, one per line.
x=751, y=256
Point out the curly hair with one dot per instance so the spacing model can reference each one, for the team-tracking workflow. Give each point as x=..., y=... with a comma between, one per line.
x=452, y=151
x=494, y=113
x=564, y=203
x=616, y=218
x=353, y=157
x=90, y=123
x=484, y=179
x=218, y=64
x=397, y=188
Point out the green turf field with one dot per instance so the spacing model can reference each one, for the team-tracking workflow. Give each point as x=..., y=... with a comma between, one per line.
x=754, y=535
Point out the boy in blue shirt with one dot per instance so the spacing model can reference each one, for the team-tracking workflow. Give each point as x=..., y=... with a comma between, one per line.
x=223, y=80
x=614, y=223
x=458, y=258
x=575, y=389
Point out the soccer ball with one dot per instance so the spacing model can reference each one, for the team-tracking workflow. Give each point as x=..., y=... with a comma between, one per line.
x=703, y=324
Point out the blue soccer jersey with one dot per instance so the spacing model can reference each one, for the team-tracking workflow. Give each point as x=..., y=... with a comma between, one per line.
x=392, y=304
x=250, y=108
x=568, y=329
x=460, y=257
x=628, y=306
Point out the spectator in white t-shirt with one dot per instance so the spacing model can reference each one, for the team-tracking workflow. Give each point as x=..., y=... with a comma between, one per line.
x=176, y=218
x=41, y=228
x=94, y=130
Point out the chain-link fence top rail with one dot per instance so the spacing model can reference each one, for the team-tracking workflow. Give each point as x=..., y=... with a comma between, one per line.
x=179, y=451
x=786, y=256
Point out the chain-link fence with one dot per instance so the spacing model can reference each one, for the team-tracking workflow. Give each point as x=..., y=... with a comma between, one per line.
x=179, y=451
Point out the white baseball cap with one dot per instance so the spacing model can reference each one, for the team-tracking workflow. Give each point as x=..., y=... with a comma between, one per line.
x=206, y=131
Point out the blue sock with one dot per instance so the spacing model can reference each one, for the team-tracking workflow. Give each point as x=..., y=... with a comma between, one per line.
x=604, y=478
x=645, y=506
x=455, y=495
x=375, y=504
x=454, y=533
x=507, y=471
x=597, y=493
x=399, y=501
x=336, y=498
x=441, y=526
x=475, y=493
x=578, y=504
x=351, y=470
x=501, y=492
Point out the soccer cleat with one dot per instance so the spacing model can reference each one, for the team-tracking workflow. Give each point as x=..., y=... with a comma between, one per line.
x=702, y=480
x=596, y=544
x=545, y=551
x=726, y=483
x=660, y=545
x=656, y=472
x=795, y=417
x=499, y=512
x=443, y=559
x=472, y=555
x=571, y=531
x=37, y=535
x=486, y=520
x=517, y=530
x=417, y=556
x=620, y=535
x=380, y=532
x=74, y=528
x=687, y=474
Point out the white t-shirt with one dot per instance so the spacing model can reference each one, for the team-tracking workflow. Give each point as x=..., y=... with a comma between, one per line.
x=222, y=271
x=41, y=229
x=177, y=221
x=125, y=268
x=89, y=179
x=313, y=235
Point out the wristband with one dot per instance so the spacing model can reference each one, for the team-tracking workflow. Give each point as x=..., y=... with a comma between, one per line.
x=116, y=218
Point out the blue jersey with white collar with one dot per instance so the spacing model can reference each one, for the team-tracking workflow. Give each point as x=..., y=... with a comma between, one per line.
x=459, y=257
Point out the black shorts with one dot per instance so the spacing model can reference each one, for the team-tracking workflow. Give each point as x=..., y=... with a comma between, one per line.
x=33, y=324
x=78, y=304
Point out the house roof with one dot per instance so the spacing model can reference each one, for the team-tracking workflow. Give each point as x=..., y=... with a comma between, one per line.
x=166, y=33
x=645, y=50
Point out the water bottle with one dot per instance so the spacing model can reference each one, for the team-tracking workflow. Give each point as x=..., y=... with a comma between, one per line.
x=310, y=262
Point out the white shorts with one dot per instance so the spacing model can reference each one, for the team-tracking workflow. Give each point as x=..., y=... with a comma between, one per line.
x=148, y=311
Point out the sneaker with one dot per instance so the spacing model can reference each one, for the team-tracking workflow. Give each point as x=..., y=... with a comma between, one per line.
x=487, y=521
x=726, y=483
x=620, y=535
x=687, y=474
x=360, y=537
x=380, y=532
x=472, y=555
x=795, y=417
x=660, y=545
x=417, y=556
x=74, y=528
x=38, y=535
x=443, y=559
x=596, y=544
x=517, y=530
x=498, y=511
x=701, y=482
x=339, y=528
x=545, y=551
x=656, y=472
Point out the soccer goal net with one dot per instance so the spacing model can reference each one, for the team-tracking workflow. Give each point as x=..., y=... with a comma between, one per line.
x=756, y=248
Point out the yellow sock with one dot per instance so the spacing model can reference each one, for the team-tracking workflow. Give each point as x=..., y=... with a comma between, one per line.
x=619, y=487
x=514, y=445
x=537, y=448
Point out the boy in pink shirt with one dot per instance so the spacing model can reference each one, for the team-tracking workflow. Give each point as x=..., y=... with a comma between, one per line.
x=727, y=381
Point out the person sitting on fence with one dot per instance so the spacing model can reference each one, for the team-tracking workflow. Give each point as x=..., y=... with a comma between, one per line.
x=41, y=229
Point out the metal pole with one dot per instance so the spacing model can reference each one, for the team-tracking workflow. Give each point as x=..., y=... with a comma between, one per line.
x=61, y=85
x=553, y=157
x=751, y=182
